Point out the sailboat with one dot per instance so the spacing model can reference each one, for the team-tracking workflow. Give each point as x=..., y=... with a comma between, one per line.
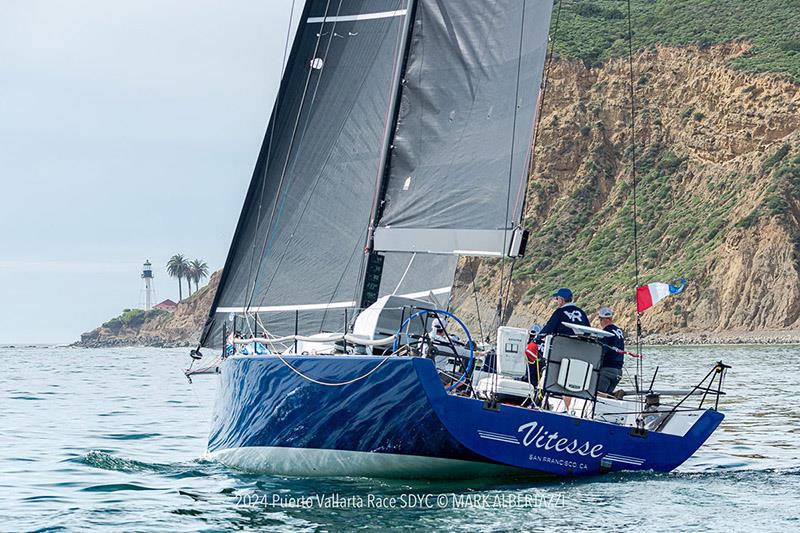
x=400, y=140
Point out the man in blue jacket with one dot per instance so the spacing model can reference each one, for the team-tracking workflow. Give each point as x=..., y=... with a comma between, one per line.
x=613, y=358
x=566, y=312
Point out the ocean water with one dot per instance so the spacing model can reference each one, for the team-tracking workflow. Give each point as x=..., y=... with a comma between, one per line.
x=114, y=439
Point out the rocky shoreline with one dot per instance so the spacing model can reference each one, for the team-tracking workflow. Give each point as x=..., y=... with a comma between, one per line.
x=112, y=342
x=672, y=339
x=179, y=328
x=722, y=338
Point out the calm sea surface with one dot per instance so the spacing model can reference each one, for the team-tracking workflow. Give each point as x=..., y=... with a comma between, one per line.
x=113, y=440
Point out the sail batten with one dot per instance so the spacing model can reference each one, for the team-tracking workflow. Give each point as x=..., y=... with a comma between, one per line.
x=361, y=16
x=477, y=242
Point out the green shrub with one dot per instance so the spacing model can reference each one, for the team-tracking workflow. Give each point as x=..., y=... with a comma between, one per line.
x=597, y=30
x=775, y=158
x=749, y=221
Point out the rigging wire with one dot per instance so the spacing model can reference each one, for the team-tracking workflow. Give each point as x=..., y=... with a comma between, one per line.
x=339, y=284
x=537, y=126
x=250, y=277
x=475, y=296
x=288, y=156
x=500, y=299
x=639, y=362
x=545, y=85
x=263, y=292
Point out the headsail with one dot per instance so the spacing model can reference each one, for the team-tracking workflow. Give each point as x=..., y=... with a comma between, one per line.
x=460, y=155
x=298, y=246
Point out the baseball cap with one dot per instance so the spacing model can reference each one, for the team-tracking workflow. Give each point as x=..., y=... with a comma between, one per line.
x=605, y=312
x=563, y=293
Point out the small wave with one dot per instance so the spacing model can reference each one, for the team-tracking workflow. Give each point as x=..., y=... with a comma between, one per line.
x=132, y=436
x=107, y=461
x=117, y=487
x=43, y=498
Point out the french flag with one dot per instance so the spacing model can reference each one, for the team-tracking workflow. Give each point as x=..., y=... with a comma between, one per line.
x=649, y=295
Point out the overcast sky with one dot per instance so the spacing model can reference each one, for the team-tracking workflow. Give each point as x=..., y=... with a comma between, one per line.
x=128, y=131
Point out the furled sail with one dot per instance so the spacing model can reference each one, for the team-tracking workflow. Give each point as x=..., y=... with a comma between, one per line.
x=459, y=162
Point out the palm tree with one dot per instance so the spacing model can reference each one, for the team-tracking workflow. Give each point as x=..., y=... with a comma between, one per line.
x=177, y=267
x=198, y=271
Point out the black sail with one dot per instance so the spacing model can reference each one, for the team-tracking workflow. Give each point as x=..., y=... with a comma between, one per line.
x=458, y=167
x=453, y=180
x=298, y=248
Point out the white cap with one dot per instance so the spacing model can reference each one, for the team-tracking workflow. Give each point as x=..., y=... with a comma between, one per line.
x=605, y=312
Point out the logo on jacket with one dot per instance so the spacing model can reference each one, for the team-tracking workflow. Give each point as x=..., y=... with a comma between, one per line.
x=575, y=316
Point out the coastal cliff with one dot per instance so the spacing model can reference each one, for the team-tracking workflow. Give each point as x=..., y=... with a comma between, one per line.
x=180, y=327
x=718, y=167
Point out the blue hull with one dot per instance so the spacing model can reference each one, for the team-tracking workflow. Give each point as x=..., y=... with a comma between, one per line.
x=399, y=421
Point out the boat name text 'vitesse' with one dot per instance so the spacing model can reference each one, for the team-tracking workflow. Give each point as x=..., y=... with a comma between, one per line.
x=542, y=438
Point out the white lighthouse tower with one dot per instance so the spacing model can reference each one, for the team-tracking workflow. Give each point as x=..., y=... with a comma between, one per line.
x=147, y=276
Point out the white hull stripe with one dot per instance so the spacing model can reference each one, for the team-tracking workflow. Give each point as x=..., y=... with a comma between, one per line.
x=360, y=16
x=620, y=456
x=488, y=435
x=313, y=307
x=624, y=459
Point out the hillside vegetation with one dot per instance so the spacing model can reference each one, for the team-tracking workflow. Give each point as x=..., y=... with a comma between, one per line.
x=717, y=154
x=596, y=30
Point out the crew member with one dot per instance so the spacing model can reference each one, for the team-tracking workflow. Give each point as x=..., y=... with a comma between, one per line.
x=613, y=347
x=444, y=358
x=566, y=312
x=535, y=363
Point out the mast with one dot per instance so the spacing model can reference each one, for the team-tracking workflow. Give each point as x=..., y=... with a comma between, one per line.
x=373, y=268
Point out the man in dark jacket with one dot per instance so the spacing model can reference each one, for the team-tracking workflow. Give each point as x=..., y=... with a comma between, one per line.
x=613, y=348
x=566, y=312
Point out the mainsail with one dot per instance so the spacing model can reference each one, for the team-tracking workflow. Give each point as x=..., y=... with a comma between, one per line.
x=428, y=102
x=460, y=159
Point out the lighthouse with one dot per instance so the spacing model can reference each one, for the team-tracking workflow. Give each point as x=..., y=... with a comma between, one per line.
x=147, y=276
